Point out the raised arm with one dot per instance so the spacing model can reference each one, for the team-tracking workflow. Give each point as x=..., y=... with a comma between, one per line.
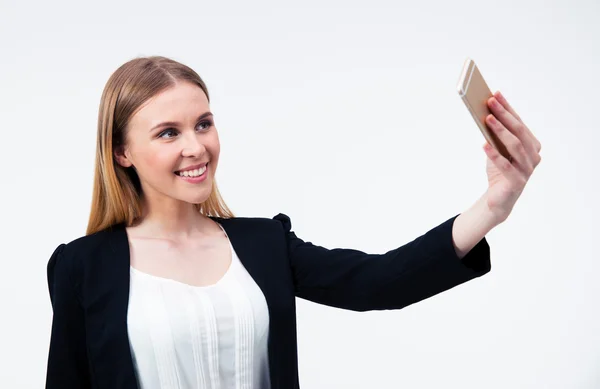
x=351, y=279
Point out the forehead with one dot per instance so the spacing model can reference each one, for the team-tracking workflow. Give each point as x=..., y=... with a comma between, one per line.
x=179, y=102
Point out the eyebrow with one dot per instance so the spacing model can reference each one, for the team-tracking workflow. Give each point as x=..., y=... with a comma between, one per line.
x=175, y=124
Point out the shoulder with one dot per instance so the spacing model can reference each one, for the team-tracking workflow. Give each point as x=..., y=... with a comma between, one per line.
x=90, y=243
x=69, y=258
x=278, y=222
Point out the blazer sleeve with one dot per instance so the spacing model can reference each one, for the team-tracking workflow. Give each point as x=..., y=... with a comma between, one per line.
x=67, y=359
x=351, y=279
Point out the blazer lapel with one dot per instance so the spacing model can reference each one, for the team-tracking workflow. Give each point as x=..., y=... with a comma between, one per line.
x=120, y=361
x=254, y=256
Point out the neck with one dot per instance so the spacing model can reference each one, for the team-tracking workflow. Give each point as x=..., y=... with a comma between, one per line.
x=173, y=219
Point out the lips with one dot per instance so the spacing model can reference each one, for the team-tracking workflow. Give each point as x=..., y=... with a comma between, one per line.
x=193, y=167
x=181, y=173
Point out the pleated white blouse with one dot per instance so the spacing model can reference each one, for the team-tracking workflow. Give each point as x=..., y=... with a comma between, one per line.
x=183, y=336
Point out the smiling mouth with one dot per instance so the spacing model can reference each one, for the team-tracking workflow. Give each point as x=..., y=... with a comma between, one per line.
x=193, y=173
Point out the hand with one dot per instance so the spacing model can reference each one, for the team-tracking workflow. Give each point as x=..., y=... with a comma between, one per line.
x=507, y=179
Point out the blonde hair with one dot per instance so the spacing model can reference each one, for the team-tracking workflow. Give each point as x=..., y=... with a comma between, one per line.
x=117, y=193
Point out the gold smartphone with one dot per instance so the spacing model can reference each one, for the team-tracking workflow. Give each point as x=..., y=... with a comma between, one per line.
x=475, y=93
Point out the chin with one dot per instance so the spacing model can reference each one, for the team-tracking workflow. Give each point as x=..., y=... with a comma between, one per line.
x=197, y=199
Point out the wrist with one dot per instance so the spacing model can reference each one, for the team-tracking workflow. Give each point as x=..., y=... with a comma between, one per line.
x=471, y=226
x=483, y=215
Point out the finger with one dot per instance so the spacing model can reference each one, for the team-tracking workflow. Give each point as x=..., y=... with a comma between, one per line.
x=520, y=155
x=506, y=105
x=515, y=126
x=510, y=109
x=498, y=95
x=508, y=169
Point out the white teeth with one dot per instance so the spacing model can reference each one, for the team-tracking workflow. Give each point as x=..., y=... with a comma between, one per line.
x=193, y=173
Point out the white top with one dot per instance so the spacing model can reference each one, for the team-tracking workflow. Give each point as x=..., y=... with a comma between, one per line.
x=184, y=336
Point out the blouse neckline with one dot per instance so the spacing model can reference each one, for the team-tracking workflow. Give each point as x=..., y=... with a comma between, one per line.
x=189, y=286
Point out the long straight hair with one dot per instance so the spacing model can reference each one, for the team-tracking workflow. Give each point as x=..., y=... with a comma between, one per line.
x=117, y=194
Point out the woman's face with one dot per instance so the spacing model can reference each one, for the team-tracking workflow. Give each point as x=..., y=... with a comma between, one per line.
x=171, y=132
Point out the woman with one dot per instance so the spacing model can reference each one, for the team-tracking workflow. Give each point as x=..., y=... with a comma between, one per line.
x=169, y=290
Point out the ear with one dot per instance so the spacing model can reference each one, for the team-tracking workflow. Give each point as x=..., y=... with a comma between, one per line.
x=121, y=157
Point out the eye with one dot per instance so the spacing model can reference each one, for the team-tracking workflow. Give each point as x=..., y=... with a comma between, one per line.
x=207, y=123
x=204, y=125
x=167, y=131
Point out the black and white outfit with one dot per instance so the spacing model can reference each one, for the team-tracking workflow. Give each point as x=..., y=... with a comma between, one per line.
x=115, y=327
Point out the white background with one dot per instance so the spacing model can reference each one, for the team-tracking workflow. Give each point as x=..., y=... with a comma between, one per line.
x=344, y=115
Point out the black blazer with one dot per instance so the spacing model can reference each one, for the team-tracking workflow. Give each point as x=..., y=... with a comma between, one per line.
x=88, y=280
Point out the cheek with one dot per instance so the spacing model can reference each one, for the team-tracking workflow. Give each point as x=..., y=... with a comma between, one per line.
x=157, y=160
x=217, y=150
x=214, y=147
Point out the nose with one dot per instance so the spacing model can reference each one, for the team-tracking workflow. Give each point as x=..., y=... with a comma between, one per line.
x=192, y=145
